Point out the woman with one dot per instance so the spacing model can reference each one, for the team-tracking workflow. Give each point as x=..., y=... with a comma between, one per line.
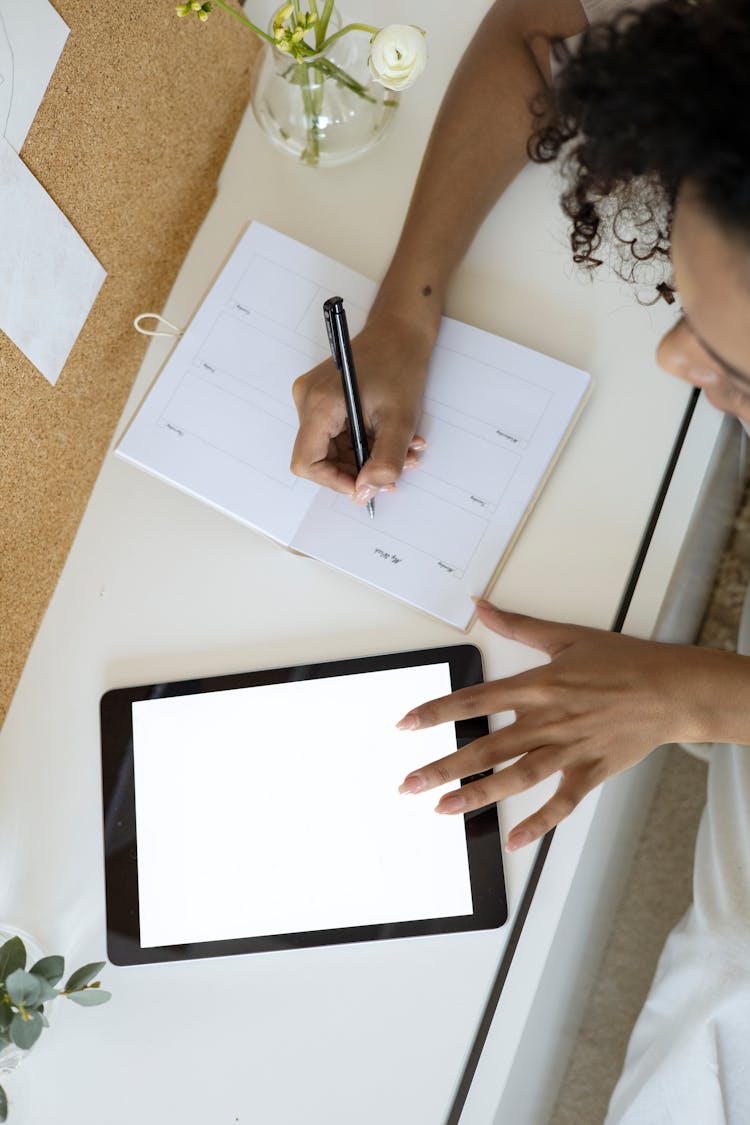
x=649, y=117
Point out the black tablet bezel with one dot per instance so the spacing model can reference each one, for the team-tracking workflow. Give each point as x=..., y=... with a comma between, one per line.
x=120, y=837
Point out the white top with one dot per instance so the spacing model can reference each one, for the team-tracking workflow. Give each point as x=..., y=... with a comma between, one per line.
x=600, y=11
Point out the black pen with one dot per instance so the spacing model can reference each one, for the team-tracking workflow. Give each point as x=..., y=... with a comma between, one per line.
x=341, y=350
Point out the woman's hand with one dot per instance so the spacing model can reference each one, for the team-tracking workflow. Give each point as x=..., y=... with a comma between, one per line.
x=392, y=356
x=602, y=703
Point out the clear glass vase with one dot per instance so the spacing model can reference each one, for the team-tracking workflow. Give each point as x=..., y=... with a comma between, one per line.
x=326, y=110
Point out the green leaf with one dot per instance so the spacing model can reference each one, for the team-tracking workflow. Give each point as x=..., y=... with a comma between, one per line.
x=4, y=1040
x=81, y=977
x=6, y=1015
x=51, y=968
x=46, y=991
x=3, y=1105
x=12, y=957
x=90, y=997
x=23, y=988
x=25, y=1032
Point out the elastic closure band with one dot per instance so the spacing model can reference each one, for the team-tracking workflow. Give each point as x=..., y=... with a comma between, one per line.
x=152, y=332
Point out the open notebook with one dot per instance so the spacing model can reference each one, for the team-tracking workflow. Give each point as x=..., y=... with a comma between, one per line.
x=220, y=423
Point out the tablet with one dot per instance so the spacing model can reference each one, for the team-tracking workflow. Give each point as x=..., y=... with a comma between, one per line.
x=260, y=811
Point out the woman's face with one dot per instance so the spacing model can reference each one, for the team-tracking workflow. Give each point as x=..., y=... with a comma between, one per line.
x=710, y=345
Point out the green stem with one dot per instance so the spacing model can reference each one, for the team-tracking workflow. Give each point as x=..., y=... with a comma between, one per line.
x=319, y=32
x=301, y=51
x=311, y=151
x=334, y=72
x=317, y=103
x=246, y=21
x=321, y=28
x=342, y=31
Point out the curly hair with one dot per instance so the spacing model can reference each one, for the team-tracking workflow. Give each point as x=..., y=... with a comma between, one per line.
x=654, y=98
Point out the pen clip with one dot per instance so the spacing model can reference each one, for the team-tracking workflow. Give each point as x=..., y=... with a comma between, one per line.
x=333, y=304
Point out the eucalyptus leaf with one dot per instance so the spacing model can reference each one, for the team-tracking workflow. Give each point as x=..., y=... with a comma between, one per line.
x=3, y=1105
x=4, y=1040
x=6, y=1015
x=46, y=991
x=23, y=988
x=90, y=997
x=25, y=1032
x=51, y=968
x=12, y=957
x=81, y=977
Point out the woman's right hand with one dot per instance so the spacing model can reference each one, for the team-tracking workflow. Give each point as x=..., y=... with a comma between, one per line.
x=392, y=355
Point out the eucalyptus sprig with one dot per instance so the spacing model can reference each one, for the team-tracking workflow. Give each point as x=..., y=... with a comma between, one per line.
x=23, y=996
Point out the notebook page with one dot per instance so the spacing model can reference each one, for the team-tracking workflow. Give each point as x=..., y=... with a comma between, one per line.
x=219, y=422
x=494, y=416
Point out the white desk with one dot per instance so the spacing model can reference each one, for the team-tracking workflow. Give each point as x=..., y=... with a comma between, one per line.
x=158, y=586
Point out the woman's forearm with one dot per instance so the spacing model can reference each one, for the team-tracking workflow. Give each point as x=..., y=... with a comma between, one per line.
x=477, y=146
x=717, y=702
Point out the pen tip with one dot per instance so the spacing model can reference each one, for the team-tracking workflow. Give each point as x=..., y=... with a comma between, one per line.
x=371, y=509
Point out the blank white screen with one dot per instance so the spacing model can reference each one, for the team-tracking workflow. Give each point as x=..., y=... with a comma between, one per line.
x=276, y=809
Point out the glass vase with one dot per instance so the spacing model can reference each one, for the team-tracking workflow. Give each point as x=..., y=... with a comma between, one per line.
x=326, y=110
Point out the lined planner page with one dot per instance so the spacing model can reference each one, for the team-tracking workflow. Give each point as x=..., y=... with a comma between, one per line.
x=494, y=416
x=220, y=423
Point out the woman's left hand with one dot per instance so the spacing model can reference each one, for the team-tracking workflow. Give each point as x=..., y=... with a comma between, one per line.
x=602, y=703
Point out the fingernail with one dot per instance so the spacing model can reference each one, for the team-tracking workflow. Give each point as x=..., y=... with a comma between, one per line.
x=362, y=495
x=409, y=722
x=414, y=783
x=418, y=443
x=482, y=603
x=518, y=840
x=451, y=803
x=703, y=376
x=387, y=488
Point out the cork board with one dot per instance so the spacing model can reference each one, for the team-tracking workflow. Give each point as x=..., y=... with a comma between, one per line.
x=129, y=142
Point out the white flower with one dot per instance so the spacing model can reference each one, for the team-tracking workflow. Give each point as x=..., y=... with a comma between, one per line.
x=398, y=54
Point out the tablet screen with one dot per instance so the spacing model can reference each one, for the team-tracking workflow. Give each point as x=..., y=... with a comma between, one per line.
x=273, y=808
